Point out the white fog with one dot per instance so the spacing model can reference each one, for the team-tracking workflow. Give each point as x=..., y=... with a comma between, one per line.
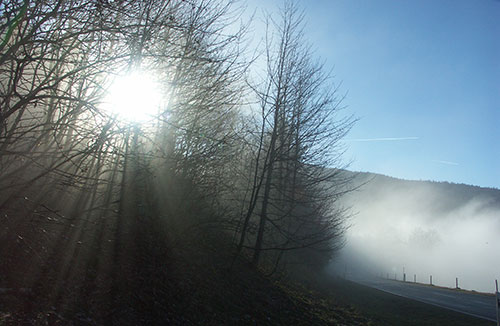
x=427, y=228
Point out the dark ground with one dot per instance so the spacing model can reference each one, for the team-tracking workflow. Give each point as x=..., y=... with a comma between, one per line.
x=197, y=287
x=186, y=287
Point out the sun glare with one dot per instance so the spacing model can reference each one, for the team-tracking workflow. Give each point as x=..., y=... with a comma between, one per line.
x=135, y=97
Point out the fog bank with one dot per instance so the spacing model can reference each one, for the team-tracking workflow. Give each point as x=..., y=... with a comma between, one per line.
x=428, y=228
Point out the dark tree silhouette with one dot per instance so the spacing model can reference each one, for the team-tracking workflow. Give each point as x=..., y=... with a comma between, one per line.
x=295, y=180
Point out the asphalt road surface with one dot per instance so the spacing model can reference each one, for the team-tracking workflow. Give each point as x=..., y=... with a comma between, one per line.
x=478, y=305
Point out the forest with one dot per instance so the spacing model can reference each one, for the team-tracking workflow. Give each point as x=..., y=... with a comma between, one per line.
x=115, y=200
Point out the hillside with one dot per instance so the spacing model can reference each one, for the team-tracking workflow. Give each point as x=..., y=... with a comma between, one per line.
x=196, y=283
x=437, y=197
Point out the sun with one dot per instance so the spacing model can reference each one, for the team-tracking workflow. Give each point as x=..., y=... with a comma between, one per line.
x=134, y=97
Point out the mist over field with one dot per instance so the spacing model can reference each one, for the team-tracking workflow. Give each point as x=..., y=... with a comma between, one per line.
x=428, y=228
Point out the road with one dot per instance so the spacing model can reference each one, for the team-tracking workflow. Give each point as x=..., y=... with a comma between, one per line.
x=478, y=305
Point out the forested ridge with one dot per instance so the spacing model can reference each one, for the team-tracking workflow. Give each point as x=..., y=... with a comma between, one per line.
x=230, y=185
x=435, y=198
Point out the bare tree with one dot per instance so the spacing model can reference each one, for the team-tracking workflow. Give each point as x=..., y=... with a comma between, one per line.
x=295, y=173
x=73, y=175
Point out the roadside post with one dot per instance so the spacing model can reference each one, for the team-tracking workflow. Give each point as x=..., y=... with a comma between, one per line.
x=497, y=297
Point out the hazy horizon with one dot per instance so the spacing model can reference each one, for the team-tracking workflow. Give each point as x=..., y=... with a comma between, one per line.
x=443, y=230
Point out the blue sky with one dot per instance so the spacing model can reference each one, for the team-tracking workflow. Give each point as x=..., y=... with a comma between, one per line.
x=427, y=71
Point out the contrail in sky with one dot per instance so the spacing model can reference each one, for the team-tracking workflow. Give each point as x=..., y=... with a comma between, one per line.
x=382, y=139
x=445, y=162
